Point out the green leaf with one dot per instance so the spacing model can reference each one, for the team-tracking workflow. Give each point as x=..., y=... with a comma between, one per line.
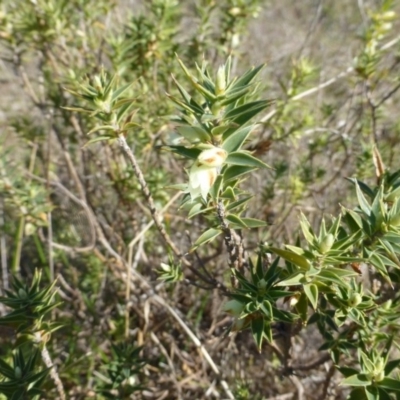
x=234, y=171
x=221, y=129
x=311, y=291
x=254, y=223
x=245, y=79
x=236, y=139
x=377, y=209
x=302, y=307
x=206, y=93
x=119, y=92
x=193, y=133
x=377, y=261
x=188, y=99
x=297, y=250
x=293, y=280
x=347, y=371
x=196, y=209
x=103, y=127
x=392, y=237
x=365, y=188
x=307, y=230
x=372, y=393
x=216, y=187
x=234, y=219
x=353, y=220
x=336, y=275
x=206, y=237
x=99, y=139
x=357, y=380
x=335, y=226
x=362, y=201
x=232, y=96
x=257, y=329
x=294, y=258
x=391, y=365
x=242, y=114
x=245, y=160
x=266, y=307
x=238, y=203
x=390, y=384
x=184, y=151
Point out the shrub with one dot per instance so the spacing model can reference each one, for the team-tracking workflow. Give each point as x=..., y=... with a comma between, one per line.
x=158, y=194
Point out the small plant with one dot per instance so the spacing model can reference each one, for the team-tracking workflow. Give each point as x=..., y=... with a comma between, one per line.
x=122, y=369
x=30, y=306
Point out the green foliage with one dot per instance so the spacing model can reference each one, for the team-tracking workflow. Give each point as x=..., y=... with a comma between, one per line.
x=22, y=380
x=121, y=369
x=30, y=305
x=120, y=106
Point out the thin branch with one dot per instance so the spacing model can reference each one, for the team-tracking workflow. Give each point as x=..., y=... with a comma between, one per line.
x=233, y=241
x=151, y=223
x=3, y=247
x=131, y=265
x=327, y=83
x=147, y=194
x=49, y=364
x=327, y=381
x=307, y=367
x=387, y=95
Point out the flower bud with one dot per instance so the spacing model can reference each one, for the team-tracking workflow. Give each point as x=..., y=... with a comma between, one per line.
x=326, y=243
x=221, y=81
x=233, y=307
x=355, y=299
x=17, y=372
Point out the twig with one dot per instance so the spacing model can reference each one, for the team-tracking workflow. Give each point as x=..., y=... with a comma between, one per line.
x=387, y=95
x=313, y=364
x=131, y=265
x=151, y=223
x=327, y=83
x=85, y=207
x=299, y=386
x=3, y=248
x=170, y=363
x=327, y=381
x=147, y=194
x=196, y=341
x=233, y=241
x=49, y=364
x=286, y=396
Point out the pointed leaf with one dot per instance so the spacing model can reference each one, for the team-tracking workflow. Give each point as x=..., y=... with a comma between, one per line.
x=254, y=223
x=311, y=291
x=362, y=201
x=234, y=171
x=294, y=258
x=357, y=380
x=244, y=113
x=235, y=141
x=257, y=329
x=206, y=237
x=245, y=159
x=390, y=384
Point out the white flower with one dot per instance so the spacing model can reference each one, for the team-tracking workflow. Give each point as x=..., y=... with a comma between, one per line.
x=213, y=157
x=204, y=171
